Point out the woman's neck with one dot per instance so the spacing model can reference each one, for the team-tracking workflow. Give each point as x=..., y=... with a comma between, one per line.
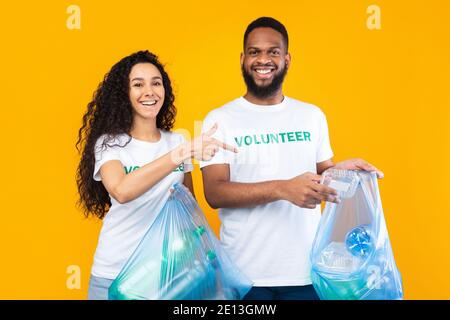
x=143, y=129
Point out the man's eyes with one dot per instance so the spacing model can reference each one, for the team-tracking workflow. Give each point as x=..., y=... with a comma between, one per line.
x=272, y=52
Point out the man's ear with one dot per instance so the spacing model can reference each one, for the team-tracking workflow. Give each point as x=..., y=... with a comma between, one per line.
x=288, y=60
x=242, y=58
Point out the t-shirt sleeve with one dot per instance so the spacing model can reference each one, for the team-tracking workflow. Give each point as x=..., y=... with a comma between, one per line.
x=102, y=155
x=187, y=164
x=221, y=156
x=324, y=151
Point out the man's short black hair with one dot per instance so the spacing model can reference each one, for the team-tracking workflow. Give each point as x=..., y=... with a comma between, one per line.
x=267, y=22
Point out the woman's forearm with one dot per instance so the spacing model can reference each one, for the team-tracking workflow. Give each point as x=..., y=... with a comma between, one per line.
x=139, y=181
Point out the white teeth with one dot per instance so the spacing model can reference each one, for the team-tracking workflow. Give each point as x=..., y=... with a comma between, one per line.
x=148, y=103
x=263, y=71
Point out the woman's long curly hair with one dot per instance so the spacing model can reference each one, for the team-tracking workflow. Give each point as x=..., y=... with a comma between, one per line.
x=110, y=114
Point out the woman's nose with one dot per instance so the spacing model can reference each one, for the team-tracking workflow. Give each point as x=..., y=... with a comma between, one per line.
x=149, y=92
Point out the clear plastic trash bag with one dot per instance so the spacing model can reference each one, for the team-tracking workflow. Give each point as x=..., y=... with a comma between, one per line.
x=179, y=258
x=351, y=255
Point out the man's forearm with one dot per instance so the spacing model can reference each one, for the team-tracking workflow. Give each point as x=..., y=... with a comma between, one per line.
x=227, y=194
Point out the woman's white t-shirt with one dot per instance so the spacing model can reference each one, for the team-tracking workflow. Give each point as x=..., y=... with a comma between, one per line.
x=124, y=225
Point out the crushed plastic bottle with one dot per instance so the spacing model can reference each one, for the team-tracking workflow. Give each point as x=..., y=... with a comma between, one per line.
x=336, y=258
x=359, y=241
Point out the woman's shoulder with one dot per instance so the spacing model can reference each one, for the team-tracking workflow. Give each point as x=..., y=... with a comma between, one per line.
x=112, y=140
x=173, y=136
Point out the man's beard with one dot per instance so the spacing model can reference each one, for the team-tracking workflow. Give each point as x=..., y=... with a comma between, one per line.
x=267, y=91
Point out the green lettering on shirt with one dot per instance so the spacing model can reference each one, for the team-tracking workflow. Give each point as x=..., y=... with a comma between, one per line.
x=307, y=136
x=298, y=136
x=180, y=168
x=290, y=136
x=238, y=141
x=274, y=138
x=267, y=138
x=130, y=169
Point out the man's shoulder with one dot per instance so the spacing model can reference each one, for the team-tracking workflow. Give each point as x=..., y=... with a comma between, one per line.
x=303, y=106
x=224, y=109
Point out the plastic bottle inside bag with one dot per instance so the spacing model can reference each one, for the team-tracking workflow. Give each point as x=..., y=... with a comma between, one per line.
x=336, y=258
x=200, y=276
x=359, y=241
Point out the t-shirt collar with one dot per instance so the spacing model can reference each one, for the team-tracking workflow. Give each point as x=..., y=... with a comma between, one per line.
x=263, y=108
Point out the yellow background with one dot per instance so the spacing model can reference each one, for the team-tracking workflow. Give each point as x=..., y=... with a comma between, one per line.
x=385, y=93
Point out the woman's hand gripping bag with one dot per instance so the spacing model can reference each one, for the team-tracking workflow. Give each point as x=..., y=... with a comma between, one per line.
x=351, y=255
x=179, y=258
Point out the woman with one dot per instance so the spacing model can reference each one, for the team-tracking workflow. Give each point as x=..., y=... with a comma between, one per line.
x=130, y=159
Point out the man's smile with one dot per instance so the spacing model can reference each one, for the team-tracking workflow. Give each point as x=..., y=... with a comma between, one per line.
x=264, y=72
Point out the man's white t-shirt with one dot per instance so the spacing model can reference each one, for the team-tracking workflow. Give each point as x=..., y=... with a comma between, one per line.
x=271, y=243
x=124, y=225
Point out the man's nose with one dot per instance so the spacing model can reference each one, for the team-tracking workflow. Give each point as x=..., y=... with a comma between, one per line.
x=264, y=58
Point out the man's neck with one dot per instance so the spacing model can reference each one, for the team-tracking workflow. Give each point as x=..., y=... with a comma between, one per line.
x=276, y=98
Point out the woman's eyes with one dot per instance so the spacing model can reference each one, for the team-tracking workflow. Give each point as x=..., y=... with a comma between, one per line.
x=139, y=85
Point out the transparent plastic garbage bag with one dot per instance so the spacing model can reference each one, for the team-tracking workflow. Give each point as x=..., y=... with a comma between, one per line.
x=351, y=255
x=179, y=258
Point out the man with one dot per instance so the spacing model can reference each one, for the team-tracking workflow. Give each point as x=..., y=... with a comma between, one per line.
x=269, y=193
